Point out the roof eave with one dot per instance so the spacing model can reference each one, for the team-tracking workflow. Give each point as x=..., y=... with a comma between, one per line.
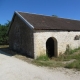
x=31, y=26
x=57, y=29
x=22, y=18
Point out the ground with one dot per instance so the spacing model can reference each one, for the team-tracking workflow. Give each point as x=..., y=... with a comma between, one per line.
x=12, y=68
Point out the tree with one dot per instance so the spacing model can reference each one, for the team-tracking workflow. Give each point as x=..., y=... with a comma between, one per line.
x=3, y=33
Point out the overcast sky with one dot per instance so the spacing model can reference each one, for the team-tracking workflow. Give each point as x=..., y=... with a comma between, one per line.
x=61, y=8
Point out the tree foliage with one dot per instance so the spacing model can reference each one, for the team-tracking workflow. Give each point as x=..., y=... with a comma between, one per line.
x=3, y=33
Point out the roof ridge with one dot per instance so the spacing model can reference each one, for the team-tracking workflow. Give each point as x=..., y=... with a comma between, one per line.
x=36, y=14
x=48, y=16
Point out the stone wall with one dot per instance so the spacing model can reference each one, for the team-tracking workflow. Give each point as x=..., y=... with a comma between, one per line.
x=33, y=43
x=21, y=37
x=64, y=38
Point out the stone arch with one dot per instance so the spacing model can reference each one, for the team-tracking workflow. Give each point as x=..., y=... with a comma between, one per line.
x=51, y=47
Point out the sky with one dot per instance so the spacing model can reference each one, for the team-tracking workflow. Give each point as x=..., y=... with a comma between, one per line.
x=62, y=8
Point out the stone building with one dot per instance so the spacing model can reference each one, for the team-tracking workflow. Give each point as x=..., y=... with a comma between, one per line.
x=36, y=35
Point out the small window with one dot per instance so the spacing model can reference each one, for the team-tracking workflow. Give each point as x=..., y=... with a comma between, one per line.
x=77, y=37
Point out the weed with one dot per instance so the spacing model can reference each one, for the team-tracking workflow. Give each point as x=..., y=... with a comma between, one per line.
x=43, y=58
x=71, y=51
x=75, y=64
x=70, y=57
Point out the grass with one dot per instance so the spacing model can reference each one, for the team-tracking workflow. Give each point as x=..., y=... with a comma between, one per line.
x=49, y=63
x=43, y=58
x=75, y=65
x=71, y=51
x=70, y=59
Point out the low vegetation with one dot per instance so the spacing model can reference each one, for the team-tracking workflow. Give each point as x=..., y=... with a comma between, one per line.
x=70, y=59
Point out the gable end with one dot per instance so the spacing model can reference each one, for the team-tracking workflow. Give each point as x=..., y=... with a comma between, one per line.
x=31, y=26
x=24, y=20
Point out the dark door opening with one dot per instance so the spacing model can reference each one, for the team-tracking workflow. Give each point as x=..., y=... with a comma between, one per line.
x=51, y=47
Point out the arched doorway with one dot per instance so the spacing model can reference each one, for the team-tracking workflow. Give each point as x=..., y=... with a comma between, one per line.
x=51, y=47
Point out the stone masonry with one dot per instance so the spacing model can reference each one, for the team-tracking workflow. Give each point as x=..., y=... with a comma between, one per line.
x=63, y=38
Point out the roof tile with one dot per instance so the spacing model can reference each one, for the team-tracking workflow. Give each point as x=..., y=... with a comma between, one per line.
x=41, y=22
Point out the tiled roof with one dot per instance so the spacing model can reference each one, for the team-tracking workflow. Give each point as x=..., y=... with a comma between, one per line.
x=41, y=22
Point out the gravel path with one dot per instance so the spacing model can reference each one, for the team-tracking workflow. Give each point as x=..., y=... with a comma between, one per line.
x=12, y=68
